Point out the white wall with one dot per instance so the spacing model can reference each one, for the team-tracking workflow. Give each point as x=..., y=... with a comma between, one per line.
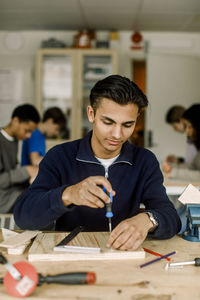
x=173, y=69
x=173, y=72
x=175, y=80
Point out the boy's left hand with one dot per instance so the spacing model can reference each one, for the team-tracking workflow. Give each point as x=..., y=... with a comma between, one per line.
x=130, y=233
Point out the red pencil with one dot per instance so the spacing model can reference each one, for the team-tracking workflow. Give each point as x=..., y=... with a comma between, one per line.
x=155, y=253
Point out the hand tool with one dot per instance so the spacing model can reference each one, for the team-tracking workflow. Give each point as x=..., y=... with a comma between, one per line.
x=192, y=232
x=21, y=278
x=66, y=278
x=109, y=213
x=195, y=262
x=69, y=278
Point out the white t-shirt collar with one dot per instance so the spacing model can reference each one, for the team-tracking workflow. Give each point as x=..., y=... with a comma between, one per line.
x=7, y=136
x=107, y=162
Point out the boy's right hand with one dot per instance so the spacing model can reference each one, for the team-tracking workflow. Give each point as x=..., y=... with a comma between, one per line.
x=32, y=170
x=88, y=192
x=172, y=159
x=166, y=169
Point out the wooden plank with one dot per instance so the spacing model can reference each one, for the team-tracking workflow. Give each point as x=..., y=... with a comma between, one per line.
x=6, y=233
x=19, y=239
x=44, y=243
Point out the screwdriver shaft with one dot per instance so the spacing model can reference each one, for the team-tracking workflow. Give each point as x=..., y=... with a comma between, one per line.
x=109, y=213
x=110, y=225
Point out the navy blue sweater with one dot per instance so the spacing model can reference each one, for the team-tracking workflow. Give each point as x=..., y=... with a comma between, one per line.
x=135, y=176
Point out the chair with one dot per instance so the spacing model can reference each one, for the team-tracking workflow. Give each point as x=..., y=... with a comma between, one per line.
x=7, y=221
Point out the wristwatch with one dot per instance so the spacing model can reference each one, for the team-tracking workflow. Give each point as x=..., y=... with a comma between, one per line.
x=153, y=220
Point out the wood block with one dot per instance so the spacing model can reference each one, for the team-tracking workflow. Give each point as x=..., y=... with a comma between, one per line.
x=19, y=239
x=17, y=250
x=191, y=195
x=44, y=243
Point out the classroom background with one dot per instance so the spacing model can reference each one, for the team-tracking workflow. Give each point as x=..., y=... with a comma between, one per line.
x=161, y=36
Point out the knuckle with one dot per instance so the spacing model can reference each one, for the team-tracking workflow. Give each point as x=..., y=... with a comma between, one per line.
x=84, y=184
x=132, y=228
x=126, y=226
x=113, y=235
x=137, y=235
x=81, y=191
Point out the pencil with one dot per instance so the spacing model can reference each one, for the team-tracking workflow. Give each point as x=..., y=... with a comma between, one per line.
x=156, y=253
x=157, y=259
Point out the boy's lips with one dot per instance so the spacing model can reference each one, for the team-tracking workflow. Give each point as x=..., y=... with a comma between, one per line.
x=113, y=142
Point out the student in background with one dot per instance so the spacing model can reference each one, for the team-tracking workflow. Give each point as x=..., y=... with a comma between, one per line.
x=174, y=118
x=191, y=171
x=34, y=148
x=69, y=186
x=13, y=178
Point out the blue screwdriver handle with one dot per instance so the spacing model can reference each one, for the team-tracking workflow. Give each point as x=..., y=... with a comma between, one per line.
x=109, y=213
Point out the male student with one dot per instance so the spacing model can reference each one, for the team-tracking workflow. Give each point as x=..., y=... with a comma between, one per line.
x=69, y=185
x=174, y=118
x=34, y=148
x=13, y=178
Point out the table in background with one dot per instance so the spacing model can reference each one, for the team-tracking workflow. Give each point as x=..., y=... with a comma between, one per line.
x=176, y=187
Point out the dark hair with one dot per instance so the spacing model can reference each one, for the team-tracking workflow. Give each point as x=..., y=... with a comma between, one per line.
x=26, y=113
x=57, y=115
x=174, y=114
x=192, y=114
x=119, y=89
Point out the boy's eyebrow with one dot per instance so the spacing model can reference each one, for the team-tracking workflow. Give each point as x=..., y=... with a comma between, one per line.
x=111, y=120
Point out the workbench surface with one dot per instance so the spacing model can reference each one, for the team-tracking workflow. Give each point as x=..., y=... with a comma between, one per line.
x=123, y=280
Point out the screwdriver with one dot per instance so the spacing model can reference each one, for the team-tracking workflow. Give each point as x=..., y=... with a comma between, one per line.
x=69, y=278
x=195, y=262
x=109, y=213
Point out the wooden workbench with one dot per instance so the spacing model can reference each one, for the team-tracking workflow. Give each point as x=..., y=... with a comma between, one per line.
x=124, y=280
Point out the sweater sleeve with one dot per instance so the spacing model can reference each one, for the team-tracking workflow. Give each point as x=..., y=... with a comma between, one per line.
x=156, y=201
x=41, y=204
x=14, y=176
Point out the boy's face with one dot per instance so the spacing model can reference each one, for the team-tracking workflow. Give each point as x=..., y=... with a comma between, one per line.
x=179, y=126
x=52, y=129
x=189, y=129
x=23, y=130
x=113, y=124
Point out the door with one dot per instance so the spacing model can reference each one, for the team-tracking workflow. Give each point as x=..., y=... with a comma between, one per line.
x=139, y=77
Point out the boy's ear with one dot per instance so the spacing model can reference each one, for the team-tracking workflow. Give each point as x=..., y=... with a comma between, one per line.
x=90, y=114
x=15, y=120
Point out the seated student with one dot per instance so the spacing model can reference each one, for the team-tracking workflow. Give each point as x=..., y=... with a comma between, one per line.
x=190, y=172
x=34, y=148
x=13, y=178
x=69, y=185
x=174, y=118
